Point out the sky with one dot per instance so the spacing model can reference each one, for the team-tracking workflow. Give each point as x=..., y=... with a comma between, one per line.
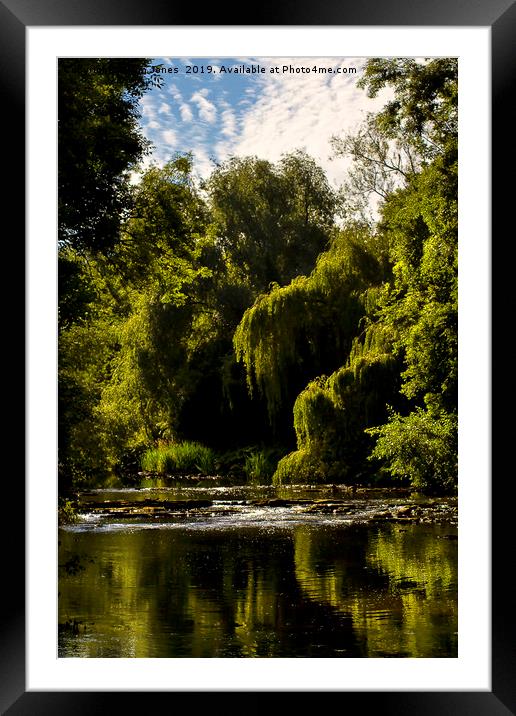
x=219, y=114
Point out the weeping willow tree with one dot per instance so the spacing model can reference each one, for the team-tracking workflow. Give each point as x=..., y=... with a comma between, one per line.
x=307, y=327
x=393, y=404
x=331, y=413
x=321, y=325
x=381, y=386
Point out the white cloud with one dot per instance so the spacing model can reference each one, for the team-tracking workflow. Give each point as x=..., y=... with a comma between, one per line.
x=202, y=162
x=147, y=106
x=229, y=124
x=169, y=137
x=301, y=111
x=207, y=110
x=216, y=72
x=164, y=108
x=176, y=94
x=186, y=112
x=273, y=115
x=184, y=108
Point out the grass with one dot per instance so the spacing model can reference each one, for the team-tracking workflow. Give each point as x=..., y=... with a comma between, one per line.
x=184, y=457
x=259, y=466
x=254, y=465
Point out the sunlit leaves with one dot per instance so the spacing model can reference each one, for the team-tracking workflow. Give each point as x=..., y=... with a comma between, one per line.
x=272, y=220
x=421, y=446
x=310, y=323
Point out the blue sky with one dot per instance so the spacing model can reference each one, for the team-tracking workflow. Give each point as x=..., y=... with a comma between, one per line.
x=217, y=115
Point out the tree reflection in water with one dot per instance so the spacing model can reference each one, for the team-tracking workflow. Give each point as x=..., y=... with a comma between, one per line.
x=356, y=591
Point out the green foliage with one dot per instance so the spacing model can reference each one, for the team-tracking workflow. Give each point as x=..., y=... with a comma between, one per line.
x=76, y=289
x=302, y=468
x=309, y=324
x=179, y=458
x=151, y=283
x=425, y=104
x=331, y=414
x=186, y=318
x=164, y=234
x=407, y=155
x=272, y=221
x=422, y=447
x=67, y=513
x=268, y=346
x=99, y=140
x=421, y=223
x=419, y=226
x=260, y=465
x=85, y=351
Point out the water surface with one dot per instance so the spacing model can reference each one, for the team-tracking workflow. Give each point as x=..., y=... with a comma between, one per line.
x=240, y=580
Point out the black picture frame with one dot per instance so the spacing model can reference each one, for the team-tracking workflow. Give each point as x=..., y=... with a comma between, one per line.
x=500, y=16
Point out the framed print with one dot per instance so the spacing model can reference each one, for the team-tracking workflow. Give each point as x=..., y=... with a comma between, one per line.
x=458, y=634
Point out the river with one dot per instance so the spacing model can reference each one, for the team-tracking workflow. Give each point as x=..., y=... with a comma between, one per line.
x=236, y=572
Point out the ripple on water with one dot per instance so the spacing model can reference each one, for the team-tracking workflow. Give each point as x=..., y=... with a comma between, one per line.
x=223, y=516
x=232, y=508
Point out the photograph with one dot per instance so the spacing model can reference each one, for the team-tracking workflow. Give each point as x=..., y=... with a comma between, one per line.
x=258, y=363
x=257, y=357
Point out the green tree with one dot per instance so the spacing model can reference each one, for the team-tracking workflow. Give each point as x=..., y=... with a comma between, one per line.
x=401, y=347
x=424, y=110
x=156, y=277
x=420, y=447
x=99, y=140
x=272, y=221
x=297, y=332
x=419, y=222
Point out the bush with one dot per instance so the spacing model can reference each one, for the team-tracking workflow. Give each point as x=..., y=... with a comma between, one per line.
x=66, y=513
x=153, y=460
x=421, y=447
x=301, y=467
x=179, y=458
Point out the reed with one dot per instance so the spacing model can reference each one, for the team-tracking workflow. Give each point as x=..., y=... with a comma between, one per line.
x=179, y=458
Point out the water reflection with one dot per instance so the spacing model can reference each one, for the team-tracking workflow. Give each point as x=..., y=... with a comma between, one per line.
x=398, y=584
x=358, y=591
